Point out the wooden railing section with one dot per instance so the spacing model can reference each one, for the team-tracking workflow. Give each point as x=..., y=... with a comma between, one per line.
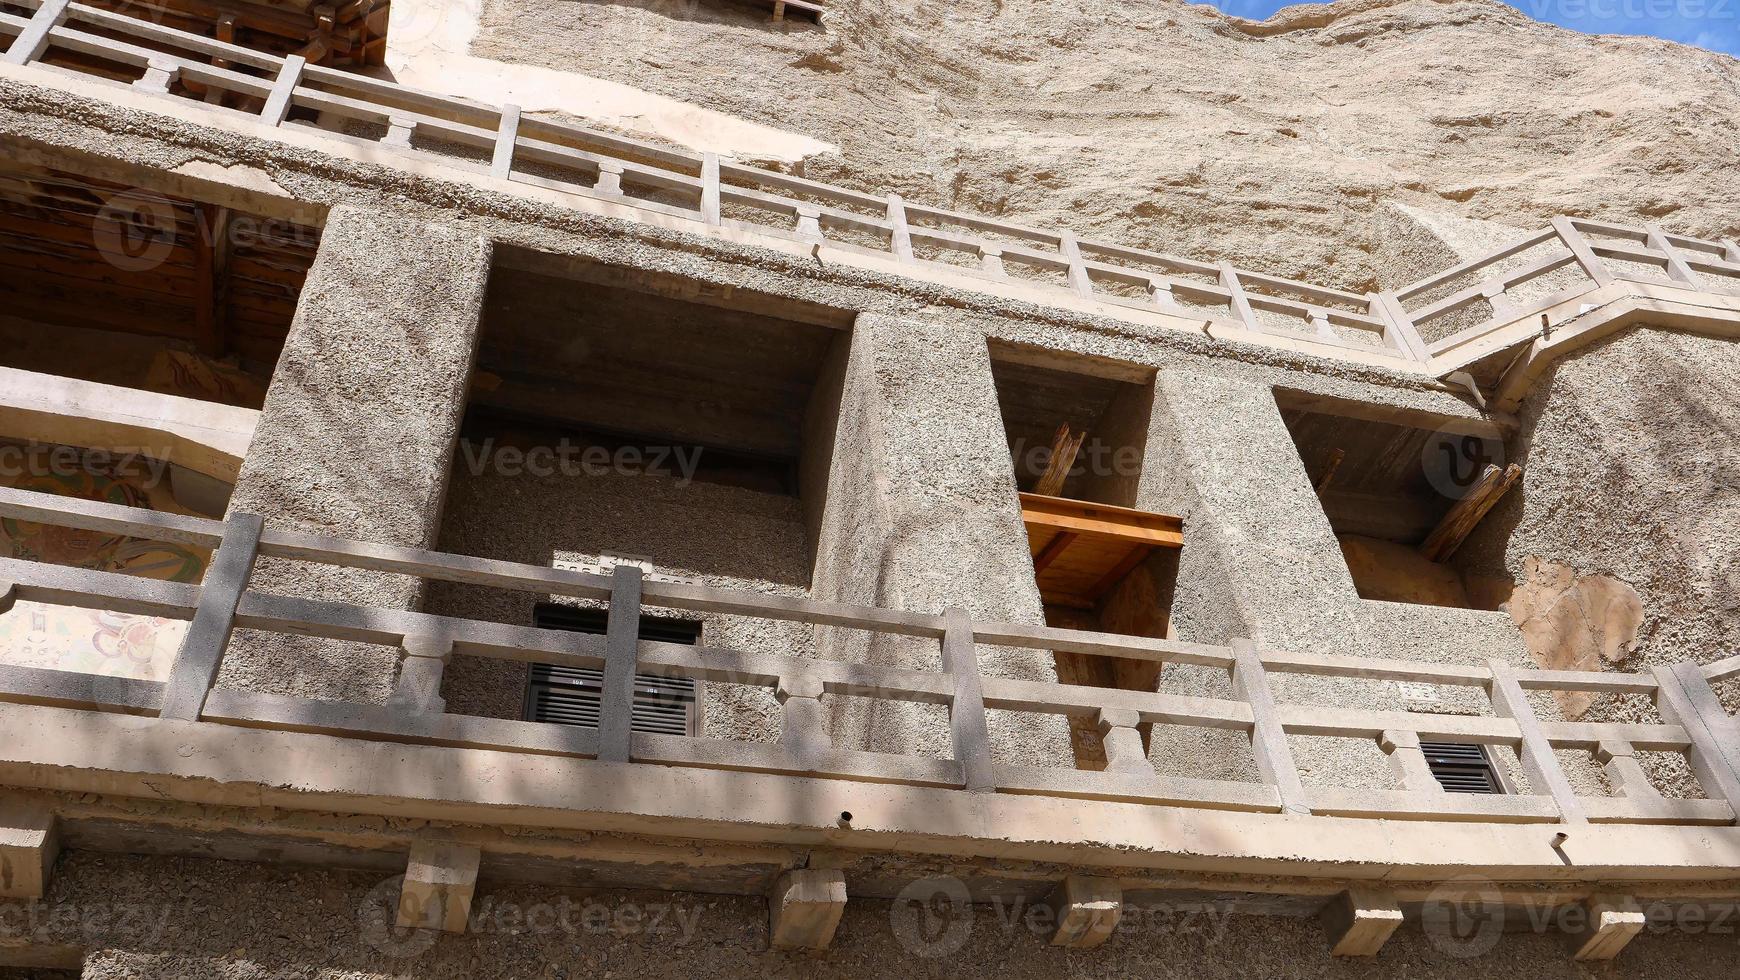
x=1693, y=722
x=718, y=192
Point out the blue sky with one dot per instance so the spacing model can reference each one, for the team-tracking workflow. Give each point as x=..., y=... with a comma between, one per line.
x=1713, y=24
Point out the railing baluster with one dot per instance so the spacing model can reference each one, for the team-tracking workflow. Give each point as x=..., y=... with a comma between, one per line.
x=1629, y=780
x=420, y=672
x=803, y=728
x=400, y=130
x=1592, y=265
x=1684, y=698
x=507, y=138
x=283, y=90
x=710, y=188
x=809, y=223
x=1732, y=248
x=609, y=178
x=1070, y=249
x=1274, y=757
x=621, y=651
x=1241, y=304
x=991, y=260
x=900, y=240
x=159, y=75
x=968, y=725
x=1408, y=761
x=202, y=649
x=1534, y=751
x=33, y=40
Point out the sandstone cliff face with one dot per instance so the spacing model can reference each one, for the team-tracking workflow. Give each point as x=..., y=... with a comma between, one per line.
x=1285, y=145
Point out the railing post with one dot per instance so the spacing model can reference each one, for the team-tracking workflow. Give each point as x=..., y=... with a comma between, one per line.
x=900, y=238
x=1402, y=335
x=621, y=651
x=1534, y=751
x=968, y=725
x=710, y=189
x=1269, y=746
x=33, y=40
x=1070, y=249
x=803, y=727
x=1684, y=698
x=507, y=137
x=1628, y=778
x=1241, y=304
x=1677, y=266
x=208, y=635
x=283, y=88
x=1160, y=291
x=1408, y=761
x=1592, y=265
x=420, y=671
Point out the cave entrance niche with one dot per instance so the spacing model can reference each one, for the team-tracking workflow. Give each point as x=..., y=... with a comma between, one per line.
x=1078, y=437
x=1403, y=491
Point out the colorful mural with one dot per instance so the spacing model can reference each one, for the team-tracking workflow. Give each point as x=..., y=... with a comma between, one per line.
x=37, y=634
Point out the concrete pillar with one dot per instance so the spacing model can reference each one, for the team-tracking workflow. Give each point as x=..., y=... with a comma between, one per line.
x=922, y=514
x=440, y=880
x=805, y=908
x=28, y=846
x=358, y=432
x=1259, y=558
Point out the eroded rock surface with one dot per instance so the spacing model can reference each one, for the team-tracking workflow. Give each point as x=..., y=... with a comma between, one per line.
x=1574, y=620
x=1306, y=145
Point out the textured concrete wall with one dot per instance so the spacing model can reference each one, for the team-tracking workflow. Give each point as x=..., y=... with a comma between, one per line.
x=1260, y=560
x=1631, y=452
x=700, y=532
x=357, y=432
x=922, y=515
x=142, y=918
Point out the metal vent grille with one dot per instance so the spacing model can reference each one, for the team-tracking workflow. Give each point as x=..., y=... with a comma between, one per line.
x=564, y=695
x=1461, y=768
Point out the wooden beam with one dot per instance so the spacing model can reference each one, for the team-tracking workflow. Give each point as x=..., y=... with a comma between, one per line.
x=1052, y=549
x=1465, y=515
x=1059, y=463
x=211, y=247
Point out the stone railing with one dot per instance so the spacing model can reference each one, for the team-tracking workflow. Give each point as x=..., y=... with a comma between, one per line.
x=1693, y=722
x=719, y=193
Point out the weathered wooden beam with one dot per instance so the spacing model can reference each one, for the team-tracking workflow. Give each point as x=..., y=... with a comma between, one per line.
x=805, y=907
x=440, y=880
x=1359, y=921
x=1085, y=911
x=29, y=843
x=1610, y=923
x=1064, y=449
x=211, y=249
x=1465, y=515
